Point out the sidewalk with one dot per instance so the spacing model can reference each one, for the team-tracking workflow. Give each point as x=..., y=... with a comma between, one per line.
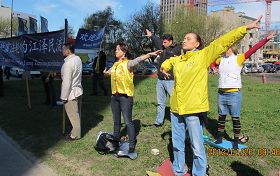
x=16, y=162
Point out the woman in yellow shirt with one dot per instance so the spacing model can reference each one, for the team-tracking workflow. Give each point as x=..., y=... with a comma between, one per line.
x=189, y=100
x=123, y=90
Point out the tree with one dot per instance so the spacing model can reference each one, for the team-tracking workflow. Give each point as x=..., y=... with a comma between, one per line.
x=5, y=27
x=147, y=18
x=113, y=27
x=5, y=32
x=70, y=31
x=187, y=19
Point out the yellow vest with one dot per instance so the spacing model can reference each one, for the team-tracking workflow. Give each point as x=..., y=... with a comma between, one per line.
x=122, y=78
x=190, y=93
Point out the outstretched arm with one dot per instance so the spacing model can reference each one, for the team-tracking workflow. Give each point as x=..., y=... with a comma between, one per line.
x=134, y=62
x=259, y=45
x=220, y=45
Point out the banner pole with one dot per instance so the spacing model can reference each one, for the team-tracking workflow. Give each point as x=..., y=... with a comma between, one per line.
x=63, y=119
x=27, y=91
x=65, y=41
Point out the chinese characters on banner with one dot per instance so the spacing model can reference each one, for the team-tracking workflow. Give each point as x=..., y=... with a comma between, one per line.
x=42, y=51
x=89, y=39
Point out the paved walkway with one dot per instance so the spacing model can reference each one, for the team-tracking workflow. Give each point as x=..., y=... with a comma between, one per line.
x=16, y=162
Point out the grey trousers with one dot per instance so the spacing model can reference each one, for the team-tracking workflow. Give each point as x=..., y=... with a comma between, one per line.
x=73, y=113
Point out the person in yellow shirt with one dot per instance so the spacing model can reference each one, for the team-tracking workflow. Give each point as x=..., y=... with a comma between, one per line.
x=123, y=90
x=189, y=100
x=230, y=94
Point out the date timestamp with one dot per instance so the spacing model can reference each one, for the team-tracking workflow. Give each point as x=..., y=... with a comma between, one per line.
x=246, y=152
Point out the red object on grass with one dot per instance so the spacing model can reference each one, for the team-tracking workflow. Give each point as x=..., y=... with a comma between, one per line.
x=166, y=169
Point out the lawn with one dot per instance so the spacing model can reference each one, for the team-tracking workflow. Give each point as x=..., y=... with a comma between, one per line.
x=39, y=130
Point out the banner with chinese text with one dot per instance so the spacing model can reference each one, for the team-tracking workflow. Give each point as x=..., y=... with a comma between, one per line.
x=89, y=39
x=41, y=51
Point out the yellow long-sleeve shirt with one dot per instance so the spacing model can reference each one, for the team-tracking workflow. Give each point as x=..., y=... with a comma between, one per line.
x=190, y=93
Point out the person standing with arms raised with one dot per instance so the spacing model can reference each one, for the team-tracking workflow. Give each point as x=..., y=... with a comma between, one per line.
x=123, y=91
x=229, y=93
x=189, y=100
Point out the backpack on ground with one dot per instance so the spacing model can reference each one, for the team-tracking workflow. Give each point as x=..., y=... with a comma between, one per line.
x=106, y=143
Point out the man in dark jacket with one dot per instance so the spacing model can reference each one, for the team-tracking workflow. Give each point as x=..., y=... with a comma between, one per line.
x=98, y=67
x=163, y=86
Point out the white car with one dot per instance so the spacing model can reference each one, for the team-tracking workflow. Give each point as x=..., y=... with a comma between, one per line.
x=15, y=71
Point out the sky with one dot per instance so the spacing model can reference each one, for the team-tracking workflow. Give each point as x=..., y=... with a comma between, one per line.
x=76, y=10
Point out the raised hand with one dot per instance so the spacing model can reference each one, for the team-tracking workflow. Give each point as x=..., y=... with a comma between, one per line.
x=148, y=33
x=255, y=24
x=272, y=35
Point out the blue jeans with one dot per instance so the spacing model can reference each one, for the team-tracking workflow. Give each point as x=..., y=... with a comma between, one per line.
x=229, y=103
x=195, y=128
x=163, y=88
x=123, y=104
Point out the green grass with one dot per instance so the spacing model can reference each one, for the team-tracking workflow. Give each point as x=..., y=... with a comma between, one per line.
x=39, y=130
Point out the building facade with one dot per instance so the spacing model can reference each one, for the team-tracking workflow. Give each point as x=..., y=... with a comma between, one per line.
x=231, y=20
x=5, y=14
x=168, y=7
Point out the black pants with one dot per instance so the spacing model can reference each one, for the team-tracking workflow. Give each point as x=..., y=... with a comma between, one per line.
x=7, y=72
x=123, y=104
x=49, y=91
x=98, y=78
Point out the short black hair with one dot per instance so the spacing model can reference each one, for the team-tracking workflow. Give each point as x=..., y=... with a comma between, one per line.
x=167, y=37
x=69, y=46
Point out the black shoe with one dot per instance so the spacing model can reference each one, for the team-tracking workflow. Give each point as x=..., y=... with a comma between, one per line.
x=207, y=170
x=235, y=145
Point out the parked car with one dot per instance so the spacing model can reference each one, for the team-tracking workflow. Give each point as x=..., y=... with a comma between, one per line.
x=253, y=68
x=149, y=69
x=269, y=68
x=244, y=70
x=87, y=68
x=18, y=72
x=277, y=68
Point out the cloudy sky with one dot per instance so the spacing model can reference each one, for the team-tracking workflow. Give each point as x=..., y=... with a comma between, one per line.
x=76, y=10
